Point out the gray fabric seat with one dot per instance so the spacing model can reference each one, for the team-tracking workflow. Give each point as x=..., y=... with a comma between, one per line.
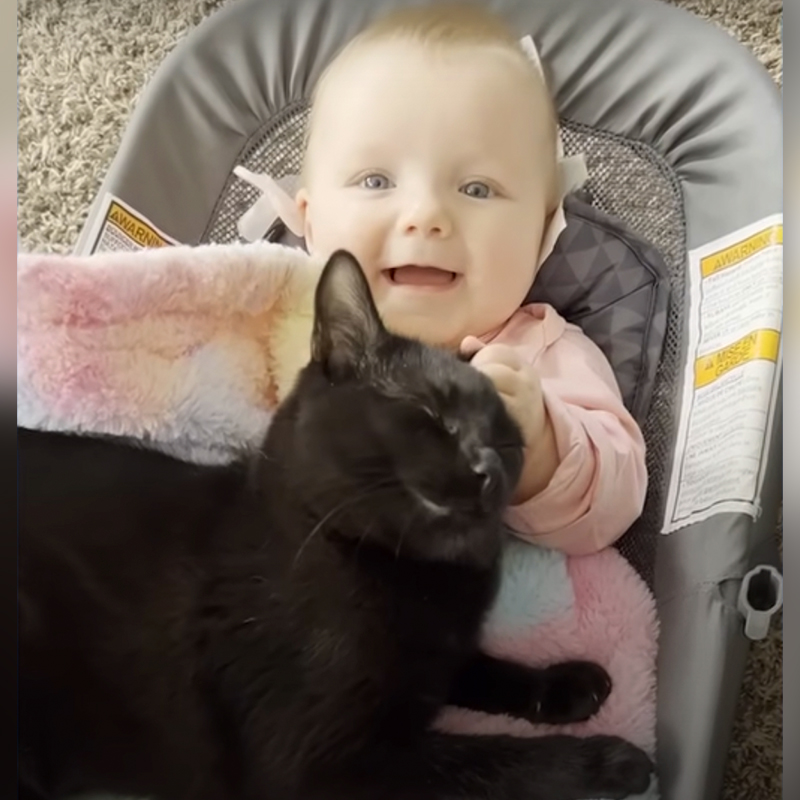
x=681, y=129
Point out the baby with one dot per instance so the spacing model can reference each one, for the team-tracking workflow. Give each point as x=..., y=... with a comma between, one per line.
x=432, y=157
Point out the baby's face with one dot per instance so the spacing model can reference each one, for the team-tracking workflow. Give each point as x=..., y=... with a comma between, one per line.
x=432, y=169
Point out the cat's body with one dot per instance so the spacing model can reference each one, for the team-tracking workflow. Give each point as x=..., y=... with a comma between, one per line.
x=290, y=626
x=315, y=642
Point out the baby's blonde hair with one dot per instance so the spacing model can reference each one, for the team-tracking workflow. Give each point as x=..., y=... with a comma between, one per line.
x=447, y=26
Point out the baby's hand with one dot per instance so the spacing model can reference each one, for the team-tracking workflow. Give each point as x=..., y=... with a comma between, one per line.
x=517, y=383
x=520, y=388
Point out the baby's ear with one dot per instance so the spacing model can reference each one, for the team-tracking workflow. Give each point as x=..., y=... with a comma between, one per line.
x=347, y=327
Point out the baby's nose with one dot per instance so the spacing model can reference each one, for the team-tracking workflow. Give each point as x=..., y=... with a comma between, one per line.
x=428, y=218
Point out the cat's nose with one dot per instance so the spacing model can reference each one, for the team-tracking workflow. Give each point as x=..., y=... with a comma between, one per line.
x=487, y=467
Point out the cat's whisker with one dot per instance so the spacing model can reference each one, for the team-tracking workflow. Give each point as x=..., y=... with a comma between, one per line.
x=369, y=528
x=411, y=519
x=363, y=536
x=368, y=491
x=390, y=486
x=315, y=529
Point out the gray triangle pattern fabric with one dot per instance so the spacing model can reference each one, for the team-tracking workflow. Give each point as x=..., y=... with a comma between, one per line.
x=615, y=287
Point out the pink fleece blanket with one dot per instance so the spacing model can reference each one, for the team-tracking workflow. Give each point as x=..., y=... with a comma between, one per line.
x=193, y=348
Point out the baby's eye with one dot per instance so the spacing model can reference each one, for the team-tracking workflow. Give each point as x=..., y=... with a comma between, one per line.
x=375, y=181
x=477, y=189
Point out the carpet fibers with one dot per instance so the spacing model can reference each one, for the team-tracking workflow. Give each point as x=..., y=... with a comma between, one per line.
x=82, y=65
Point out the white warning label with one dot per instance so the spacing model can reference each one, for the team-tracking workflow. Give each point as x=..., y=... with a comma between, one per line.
x=731, y=374
x=120, y=227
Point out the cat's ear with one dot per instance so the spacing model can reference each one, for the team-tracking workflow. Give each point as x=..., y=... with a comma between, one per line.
x=346, y=321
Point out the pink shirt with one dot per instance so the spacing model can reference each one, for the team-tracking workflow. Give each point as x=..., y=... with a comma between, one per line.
x=598, y=488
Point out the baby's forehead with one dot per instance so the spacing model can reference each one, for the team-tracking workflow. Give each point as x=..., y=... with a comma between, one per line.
x=490, y=100
x=488, y=84
x=354, y=69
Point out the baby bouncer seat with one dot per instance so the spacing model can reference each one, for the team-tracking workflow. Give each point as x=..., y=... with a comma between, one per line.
x=681, y=131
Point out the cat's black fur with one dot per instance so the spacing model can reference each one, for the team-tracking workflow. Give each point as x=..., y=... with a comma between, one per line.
x=290, y=626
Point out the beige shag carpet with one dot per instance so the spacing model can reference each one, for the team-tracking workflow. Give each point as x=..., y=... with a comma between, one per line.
x=82, y=64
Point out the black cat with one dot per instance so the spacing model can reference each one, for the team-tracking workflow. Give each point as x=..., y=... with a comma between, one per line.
x=289, y=627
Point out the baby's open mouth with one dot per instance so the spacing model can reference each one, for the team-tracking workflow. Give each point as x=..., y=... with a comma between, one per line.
x=414, y=275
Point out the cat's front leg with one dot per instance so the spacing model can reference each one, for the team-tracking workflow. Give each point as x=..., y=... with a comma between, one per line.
x=562, y=693
x=461, y=767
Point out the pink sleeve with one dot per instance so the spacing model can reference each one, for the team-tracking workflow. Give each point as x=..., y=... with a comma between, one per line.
x=598, y=489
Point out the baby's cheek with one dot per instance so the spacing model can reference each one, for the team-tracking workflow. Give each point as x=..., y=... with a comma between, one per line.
x=341, y=228
x=516, y=262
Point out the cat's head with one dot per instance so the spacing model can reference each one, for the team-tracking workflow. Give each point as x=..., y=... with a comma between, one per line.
x=390, y=441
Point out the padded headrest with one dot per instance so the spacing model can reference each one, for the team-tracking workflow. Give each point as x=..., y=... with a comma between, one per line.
x=638, y=69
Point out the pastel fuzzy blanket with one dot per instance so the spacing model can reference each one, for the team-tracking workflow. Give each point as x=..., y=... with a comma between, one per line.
x=191, y=349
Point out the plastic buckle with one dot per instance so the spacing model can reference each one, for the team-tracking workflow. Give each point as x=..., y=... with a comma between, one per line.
x=760, y=598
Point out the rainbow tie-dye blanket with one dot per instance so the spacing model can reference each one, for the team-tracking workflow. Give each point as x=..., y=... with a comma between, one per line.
x=190, y=349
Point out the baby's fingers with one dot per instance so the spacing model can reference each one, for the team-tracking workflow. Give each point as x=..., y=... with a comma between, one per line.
x=470, y=345
x=498, y=354
x=506, y=380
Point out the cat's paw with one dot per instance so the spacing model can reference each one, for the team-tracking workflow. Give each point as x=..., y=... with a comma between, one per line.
x=572, y=691
x=615, y=768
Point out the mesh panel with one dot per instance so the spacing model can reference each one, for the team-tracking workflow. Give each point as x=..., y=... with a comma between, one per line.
x=628, y=180
x=276, y=150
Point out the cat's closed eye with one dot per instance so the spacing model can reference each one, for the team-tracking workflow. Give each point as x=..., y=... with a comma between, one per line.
x=449, y=425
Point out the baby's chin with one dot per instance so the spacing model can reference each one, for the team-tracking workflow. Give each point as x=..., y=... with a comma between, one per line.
x=441, y=319
x=437, y=332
